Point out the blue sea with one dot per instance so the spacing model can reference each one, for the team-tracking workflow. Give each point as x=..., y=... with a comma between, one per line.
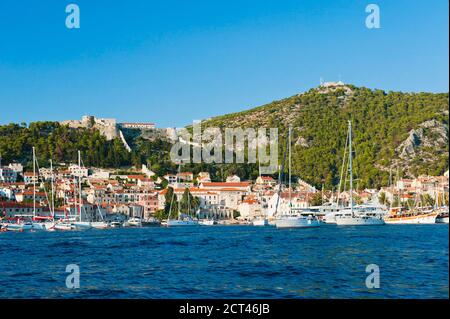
x=228, y=262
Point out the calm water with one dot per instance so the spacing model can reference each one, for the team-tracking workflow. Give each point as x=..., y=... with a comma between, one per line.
x=228, y=262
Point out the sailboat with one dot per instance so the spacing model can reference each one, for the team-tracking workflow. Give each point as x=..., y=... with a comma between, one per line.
x=80, y=224
x=65, y=224
x=35, y=224
x=101, y=224
x=414, y=215
x=358, y=216
x=182, y=219
x=294, y=218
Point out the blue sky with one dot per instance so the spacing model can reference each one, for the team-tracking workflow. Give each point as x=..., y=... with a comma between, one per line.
x=172, y=62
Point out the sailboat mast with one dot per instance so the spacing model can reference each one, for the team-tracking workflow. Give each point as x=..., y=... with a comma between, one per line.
x=350, y=164
x=79, y=182
x=52, y=205
x=290, y=175
x=34, y=182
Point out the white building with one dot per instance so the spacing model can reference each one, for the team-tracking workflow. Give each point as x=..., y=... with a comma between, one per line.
x=78, y=171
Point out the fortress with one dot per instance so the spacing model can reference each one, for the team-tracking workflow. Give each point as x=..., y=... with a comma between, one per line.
x=107, y=126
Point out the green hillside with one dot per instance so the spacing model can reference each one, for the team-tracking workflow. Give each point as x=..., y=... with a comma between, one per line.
x=382, y=122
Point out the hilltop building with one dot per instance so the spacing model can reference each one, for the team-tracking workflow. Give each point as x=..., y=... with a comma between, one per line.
x=109, y=127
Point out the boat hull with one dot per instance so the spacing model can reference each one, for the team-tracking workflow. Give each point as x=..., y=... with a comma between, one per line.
x=359, y=221
x=418, y=219
x=206, y=222
x=442, y=220
x=18, y=227
x=64, y=226
x=82, y=225
x=296, y=222
x=260, y=222
x=99, y=225
x=175, y=222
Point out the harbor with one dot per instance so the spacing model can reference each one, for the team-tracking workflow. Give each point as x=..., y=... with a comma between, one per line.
x=228, y=262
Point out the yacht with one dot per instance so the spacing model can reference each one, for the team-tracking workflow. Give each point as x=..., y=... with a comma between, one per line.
x=356, y=216
x=294, y=218
x=296, y=221
x=133, y=222
x=150, y=222
x=62, y=225
x=260, y=221
x=81, y=224
x=102, y=224
x=19, y=225
x=183, y=220
x=116, y=224
x=330, y=211
x=207, y=222
x=442, y=217
x=99, y=225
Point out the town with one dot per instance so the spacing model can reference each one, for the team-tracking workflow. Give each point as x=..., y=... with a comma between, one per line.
x=113, y=196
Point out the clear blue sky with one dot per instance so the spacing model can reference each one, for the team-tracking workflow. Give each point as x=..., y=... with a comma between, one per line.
x=171, y=62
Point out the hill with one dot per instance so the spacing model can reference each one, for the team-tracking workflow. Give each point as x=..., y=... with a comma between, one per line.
x=392, y=131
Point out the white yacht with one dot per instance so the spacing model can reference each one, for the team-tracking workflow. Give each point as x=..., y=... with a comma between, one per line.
x=182, y=219
x=19, y=225
x=293, y=218
x=296, y=221
x=355, y=217
x=207, y=222
x=62, y=225
x=362, y=216
x=329, y=212
x=182, y=222
x=116, y=224
x=102, y=224
x=81, y=224
x=133, y=222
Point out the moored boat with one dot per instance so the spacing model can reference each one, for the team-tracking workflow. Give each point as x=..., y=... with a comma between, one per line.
x=353, y=216
x=296, y=221
x=133, y=222
x=207, y=222
x=397, y=216
x=183, y=221
x=260, y=222
x=442, y=217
